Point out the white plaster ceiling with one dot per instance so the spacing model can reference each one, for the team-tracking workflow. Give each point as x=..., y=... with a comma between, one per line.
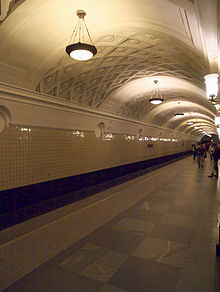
x=173, y=41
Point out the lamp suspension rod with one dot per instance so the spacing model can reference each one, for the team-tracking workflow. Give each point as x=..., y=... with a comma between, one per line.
x=74, y=32
x=152, y=94
x=88, y=32
x=80, y=29
x=83, y=32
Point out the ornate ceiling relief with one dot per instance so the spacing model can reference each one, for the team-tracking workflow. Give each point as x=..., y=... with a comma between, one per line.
x=7, y=7
x=135, y=108
x=120, y=60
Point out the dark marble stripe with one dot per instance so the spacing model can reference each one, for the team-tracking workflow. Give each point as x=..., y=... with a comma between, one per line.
x=23, y=203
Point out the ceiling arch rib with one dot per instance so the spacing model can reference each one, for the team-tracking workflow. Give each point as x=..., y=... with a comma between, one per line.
x=197, y=121
x=164, y=114
x=174, y=122
x=201, y=124
x=207, y=128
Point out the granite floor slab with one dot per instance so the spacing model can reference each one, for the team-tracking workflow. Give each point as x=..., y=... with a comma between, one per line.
x=138, y=274
x=163, y=251
x=163, y=243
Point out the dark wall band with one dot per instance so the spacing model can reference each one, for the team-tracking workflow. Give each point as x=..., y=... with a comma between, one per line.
x=23, y=203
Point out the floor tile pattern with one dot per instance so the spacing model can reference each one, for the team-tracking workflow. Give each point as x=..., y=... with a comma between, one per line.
x=165, y=243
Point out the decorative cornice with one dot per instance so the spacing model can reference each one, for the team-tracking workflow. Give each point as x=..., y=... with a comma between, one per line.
x=18, y=99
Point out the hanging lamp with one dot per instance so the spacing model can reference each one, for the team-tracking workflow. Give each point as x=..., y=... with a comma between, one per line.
x=190, y=122
x=80, y=50
x=156, y=97
x=179, y=113
x=211, y=81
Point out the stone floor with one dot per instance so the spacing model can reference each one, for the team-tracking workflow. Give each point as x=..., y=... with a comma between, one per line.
x=166, y=242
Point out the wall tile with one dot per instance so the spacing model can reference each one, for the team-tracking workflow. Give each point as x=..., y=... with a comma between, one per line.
x=29, y=156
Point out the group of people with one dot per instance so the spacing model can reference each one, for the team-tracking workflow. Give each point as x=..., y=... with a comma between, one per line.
x=202, y=151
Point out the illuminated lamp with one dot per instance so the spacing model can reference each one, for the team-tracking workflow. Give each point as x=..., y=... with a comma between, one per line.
x=156, y=97
x=211, y=81
x=190, y=122
x=80, y=51
x=178, y=113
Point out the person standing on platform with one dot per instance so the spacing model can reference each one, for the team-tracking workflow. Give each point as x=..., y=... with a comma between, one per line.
x=216, y=157
x=200, y=155
x=194, y=151
x=212, y=149
x=208, y=146
x=204, y=150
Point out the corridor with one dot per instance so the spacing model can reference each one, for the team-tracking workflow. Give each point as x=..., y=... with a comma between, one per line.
x=164, y=242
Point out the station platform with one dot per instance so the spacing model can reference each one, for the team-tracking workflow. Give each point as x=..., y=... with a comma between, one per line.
x=154, y=233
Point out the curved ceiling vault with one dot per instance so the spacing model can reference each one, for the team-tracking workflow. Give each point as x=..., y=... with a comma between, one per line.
x=137, y=41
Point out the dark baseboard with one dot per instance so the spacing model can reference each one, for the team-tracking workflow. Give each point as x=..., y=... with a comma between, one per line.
x=23, y=203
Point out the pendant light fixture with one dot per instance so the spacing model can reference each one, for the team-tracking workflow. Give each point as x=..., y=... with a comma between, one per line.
x=211, y=81
x=178, y=113
x=156, y=97
x=80, y=50
x=190, y=122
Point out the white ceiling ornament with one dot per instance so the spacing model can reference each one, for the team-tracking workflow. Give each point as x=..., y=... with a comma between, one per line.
x=124, y=60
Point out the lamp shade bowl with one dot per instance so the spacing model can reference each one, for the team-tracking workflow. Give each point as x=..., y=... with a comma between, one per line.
x=211, y=81
x=179, y=114
x=156, y=100
x=81, y=51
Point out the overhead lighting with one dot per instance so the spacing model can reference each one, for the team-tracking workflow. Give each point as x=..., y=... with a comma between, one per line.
x=211, y=81
x=81, y=51
x=156, y=97
x=190, y=123
x=200, y=130
x=178, y=113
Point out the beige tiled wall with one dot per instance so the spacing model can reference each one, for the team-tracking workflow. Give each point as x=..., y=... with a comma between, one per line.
x=35, y=155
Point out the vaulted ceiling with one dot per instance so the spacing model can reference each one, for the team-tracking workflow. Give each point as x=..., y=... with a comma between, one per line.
x=172, y=41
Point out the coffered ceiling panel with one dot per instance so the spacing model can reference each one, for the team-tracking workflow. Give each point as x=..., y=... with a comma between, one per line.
x=137, y=42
